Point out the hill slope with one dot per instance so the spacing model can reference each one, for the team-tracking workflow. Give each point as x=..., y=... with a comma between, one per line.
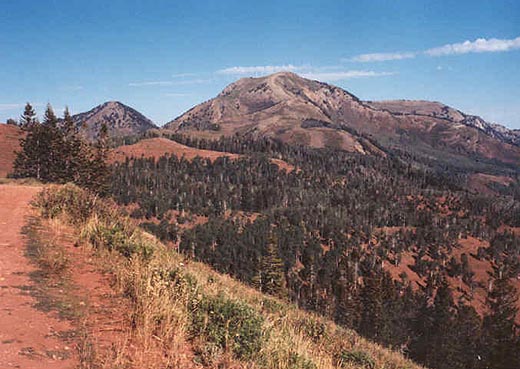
x=9, y=143
x=439, y=110
x=121, y=120
x=301, y=111
x=182, y=314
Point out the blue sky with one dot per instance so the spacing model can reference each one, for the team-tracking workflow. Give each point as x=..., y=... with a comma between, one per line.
x=163, y=57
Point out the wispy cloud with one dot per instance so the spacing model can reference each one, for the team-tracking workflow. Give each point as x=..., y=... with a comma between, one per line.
x=150, y=83
x=7, y=107
x=344, y=75
x=169, y=82
x=480, y=45
x=322, y=73
x=4, y=107
x=261, y=69
x=183, y=75
x=176, y=94
x=71, y=88
x=376, y=57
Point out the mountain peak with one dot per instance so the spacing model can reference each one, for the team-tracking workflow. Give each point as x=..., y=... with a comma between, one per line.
x=300, y=111
x=120, y=119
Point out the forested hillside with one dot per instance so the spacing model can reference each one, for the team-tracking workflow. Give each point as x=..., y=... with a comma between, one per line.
x=401, y=252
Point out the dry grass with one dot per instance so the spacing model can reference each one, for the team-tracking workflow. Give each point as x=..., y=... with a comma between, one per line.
x=165, y=291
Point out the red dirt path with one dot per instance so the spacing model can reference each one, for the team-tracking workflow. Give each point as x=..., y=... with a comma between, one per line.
x=27, y=335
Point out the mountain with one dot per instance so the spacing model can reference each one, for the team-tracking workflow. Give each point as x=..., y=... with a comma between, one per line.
x=297, y=110
x=439, y=110
x=120, y=119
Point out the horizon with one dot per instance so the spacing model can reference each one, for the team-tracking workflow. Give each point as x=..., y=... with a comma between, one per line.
x=161, y=65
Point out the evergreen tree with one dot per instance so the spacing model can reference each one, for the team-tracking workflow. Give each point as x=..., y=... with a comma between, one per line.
x=499, y=330
x=28, y=117
x=57, y=154
x=467, y=326
x=441, y=353
x=371, y=323
x=271, y=277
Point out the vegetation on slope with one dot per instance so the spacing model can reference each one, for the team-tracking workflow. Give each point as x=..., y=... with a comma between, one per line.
x=176, y=303
x=366, y=241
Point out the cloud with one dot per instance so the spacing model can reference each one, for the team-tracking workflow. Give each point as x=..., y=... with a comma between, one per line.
x=150, y=83
x=480, y=45
x=260, y=69
x=176, y=94
x=183, y=75
x=343, y=75
x=7, y=107
x=169, y=83
x=376, y=57
x=323, y=73
x=4, y=107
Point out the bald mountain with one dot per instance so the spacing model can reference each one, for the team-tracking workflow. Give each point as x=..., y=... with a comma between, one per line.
x=297, y=110
x=120, y=119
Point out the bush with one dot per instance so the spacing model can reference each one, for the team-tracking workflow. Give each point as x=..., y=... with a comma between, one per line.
x=69, y=199
x=231, y=325
x=118, y=235
x=297, y=361
x=313, y=328
x=359, y=358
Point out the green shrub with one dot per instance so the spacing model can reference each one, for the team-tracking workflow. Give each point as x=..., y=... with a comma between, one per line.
x=297, y=361
x=76, y=203
x=272, y=306
x=313, y=328
x=208, y=354
x=231, y=325
x=360, y=358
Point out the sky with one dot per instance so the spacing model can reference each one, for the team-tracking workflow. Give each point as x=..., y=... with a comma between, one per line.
x=163, y=57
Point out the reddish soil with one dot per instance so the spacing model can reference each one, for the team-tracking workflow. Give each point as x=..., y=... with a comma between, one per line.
x=9, y=143
x=157, y=147
x=28, y=337
x=480, y=182
x=480, y=268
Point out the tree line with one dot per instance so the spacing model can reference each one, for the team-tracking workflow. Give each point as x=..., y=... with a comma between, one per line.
x=53, y=151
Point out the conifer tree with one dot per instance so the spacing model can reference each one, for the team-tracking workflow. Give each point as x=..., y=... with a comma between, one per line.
x=499, y=330
x=441, y=353
x=28, y=117
x=467, y=326
x=371, y=324
x=271, y=277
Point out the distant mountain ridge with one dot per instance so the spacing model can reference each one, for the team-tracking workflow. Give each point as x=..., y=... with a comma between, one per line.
x=121, y=120
x=297, y=110
x=439, y=110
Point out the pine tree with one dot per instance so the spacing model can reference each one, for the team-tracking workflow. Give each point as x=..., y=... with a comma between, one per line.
x=441, y=353
x=68, y=124
x=467, y=326
x=28, y=117
x=52, y=141
x=371, y=323
x=499, y=331
x=57, y=154
x=99, y=171
x=272, y=278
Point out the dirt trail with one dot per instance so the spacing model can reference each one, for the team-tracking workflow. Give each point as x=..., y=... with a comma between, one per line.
x=28, y=337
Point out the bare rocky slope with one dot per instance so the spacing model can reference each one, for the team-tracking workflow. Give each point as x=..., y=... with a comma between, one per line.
x=296, y=110
x=121, y=120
